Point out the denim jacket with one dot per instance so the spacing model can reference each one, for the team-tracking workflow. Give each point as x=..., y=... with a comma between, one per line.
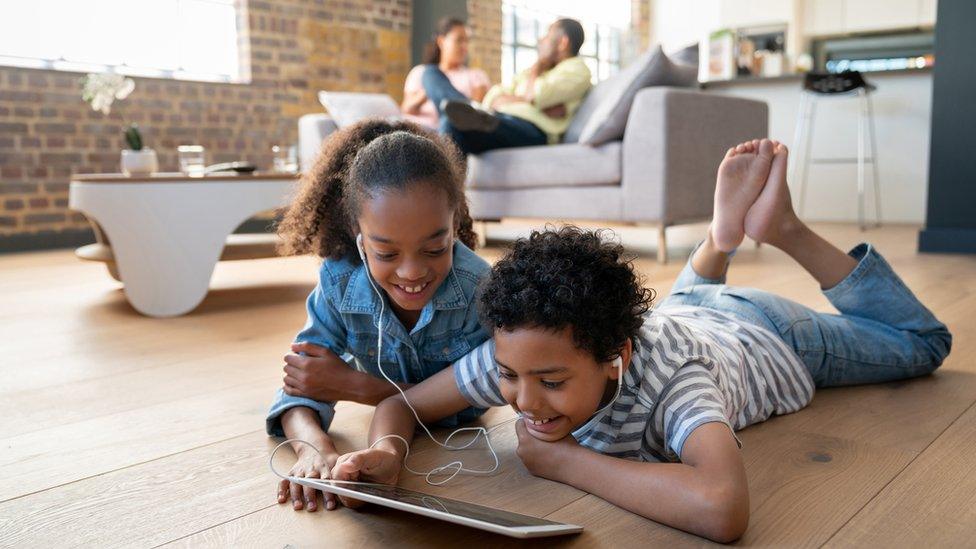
x=343, y=315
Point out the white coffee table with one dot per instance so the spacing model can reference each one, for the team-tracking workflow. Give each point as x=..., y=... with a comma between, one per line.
x=167, y=231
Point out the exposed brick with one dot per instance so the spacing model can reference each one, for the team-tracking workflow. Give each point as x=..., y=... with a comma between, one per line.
x=13, y=127
x=13, y=158
x=19, y=96
x=55, y=127
x=44, y=218
x=56, y=188
x=60, y=158
x=17, y=188
x=12, y=172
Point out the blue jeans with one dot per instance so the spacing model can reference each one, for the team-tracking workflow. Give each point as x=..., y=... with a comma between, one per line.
x=883, y=333
x=511, y=131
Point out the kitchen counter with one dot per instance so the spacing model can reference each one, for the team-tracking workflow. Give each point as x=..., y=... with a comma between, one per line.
x=747, y=80
x=902, y=114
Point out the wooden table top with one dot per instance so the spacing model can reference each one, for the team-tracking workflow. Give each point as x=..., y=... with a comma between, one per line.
x=178, y=177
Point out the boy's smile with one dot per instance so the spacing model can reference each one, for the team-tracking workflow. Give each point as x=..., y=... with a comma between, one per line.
x=555, y=385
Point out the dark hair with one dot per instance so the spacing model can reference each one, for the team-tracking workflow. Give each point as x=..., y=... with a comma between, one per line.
x=432, y=52
x=574, y=31
x=568, y=277
x=358, y=162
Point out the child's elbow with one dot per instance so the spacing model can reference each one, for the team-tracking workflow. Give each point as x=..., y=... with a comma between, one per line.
x=727, y=516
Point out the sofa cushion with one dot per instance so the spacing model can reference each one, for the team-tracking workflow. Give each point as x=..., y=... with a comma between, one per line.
x=560, y=165
x=603, y=115
x=350, y=107
x=686, y=56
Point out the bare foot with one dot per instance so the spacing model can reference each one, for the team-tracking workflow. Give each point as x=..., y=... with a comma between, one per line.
x=741, y=178
x=772, y=216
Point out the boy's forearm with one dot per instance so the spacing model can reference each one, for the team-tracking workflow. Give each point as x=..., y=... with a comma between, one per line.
x=670, y=493
x=303, y=424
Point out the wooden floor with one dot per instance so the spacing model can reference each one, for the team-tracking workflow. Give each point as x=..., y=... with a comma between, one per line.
x=121, y=430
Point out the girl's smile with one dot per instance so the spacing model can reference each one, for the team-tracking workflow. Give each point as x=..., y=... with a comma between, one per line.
x=408, y=238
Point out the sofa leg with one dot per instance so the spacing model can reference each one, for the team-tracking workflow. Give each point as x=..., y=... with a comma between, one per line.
x=662, y=244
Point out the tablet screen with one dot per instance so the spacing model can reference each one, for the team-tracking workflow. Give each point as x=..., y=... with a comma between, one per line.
x=445, y=505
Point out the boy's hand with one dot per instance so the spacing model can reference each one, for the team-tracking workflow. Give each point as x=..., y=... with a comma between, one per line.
x=374, y=465
x=541, y=458
x=309, y=465
x=319, y=375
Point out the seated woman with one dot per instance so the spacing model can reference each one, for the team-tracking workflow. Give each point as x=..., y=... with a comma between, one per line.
x=449, y=52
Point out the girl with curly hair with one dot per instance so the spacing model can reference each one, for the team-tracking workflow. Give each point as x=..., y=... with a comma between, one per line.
x=392, y=193
x=639, y=406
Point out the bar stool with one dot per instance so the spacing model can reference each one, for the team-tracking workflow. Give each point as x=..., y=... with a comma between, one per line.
x=849, y=85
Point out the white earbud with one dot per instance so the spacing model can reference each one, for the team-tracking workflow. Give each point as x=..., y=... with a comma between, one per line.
x=359, y=247
x=618, y=363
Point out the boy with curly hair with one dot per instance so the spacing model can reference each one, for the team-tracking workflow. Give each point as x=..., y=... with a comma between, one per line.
x=639, y=406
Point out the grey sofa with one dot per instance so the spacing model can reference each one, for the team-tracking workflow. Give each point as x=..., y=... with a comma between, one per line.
x=662, y=172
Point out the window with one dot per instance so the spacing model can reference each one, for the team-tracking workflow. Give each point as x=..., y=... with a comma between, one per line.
x=605, y=24
x=183, y=39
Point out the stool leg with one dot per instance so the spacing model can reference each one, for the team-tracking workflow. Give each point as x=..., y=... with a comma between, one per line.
x=808, y=142
x=860, y=160
x=874, y=161
x=795, y=154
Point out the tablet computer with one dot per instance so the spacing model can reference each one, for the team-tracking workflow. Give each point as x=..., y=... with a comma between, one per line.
x=451, y=510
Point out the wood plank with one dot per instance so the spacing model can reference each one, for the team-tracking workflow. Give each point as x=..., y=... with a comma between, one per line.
x=139, y=418
x=228, y=485
x=802, y=487
x=931, y=504
x=51, y=457
x=166, y=380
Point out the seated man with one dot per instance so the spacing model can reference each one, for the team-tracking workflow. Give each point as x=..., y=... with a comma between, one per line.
x=534, y=110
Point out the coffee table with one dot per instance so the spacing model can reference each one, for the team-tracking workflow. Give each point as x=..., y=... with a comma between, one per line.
x=167, y=231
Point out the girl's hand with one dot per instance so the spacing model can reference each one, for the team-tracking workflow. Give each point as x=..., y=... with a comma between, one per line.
x=374, y=465
x=541, y=458
x=310, y=464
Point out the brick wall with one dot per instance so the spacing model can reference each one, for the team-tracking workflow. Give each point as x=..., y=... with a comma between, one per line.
x=293, y=48
x=640, y=24
x=485, y=20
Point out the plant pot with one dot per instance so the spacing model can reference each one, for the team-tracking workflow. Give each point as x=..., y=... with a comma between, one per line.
x=141, y=162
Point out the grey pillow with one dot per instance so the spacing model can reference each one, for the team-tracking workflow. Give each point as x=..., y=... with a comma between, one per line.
x=603, y=115
x=686, y=56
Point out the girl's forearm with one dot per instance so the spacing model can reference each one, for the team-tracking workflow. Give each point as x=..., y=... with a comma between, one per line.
x=303, y=424
x=670, y=493
x=392, y=417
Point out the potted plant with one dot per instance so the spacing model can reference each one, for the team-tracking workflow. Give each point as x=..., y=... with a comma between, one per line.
x=100, y=90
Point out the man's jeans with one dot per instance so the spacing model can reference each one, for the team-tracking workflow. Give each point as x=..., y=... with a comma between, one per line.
x=883, y=333
x=511, y=131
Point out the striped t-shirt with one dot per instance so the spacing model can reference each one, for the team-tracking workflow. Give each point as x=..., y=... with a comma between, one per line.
x=694, y=366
